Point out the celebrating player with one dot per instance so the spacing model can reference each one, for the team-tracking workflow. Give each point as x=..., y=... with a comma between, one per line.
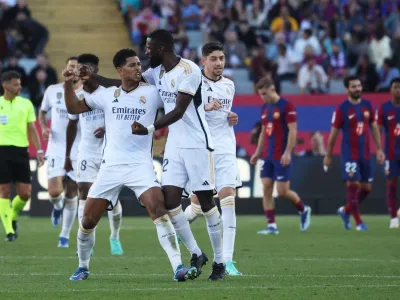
x=90, y=150
x=127, y=159
x=217, y=92
x=56, y=135
x=354, y=117
x=280, y=128
x=188, y=153
x=388, y=117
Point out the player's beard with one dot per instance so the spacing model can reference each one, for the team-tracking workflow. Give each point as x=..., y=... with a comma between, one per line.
x=155, y=62
x=356, y=95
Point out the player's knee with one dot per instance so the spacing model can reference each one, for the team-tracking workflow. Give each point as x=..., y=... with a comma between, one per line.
x=5, y=190
x=83, y=192
x=282, y=191
x=25, y=195
x=88, y=222
x=54, y=192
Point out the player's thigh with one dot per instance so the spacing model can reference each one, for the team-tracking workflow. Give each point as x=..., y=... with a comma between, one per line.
x=83, y=189
x=71, y=187
x=366, y=172
x=94, y=210
x=350, y=170
x=109, y=184
x=226, y=172
x=282, y=188
x=23, y=190
x=226, y=192
x=193, y=199
x=153, y=200
x=199, y=164
x=55, y=186
x=5, y=190
x=174, y=172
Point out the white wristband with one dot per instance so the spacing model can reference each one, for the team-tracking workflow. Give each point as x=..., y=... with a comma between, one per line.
x=151, y=128
x=40, y=151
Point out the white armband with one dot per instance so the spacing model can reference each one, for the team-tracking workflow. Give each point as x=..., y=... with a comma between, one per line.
x=151, y=128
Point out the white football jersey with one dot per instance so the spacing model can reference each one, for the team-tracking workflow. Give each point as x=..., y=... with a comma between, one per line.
x=53, y=100
x=221, y=132
x=121, y=108
x=90, y=145
x=192, y=130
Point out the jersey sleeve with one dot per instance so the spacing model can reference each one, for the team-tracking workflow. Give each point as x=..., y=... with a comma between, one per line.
x=379, y=116
x=290, y=113
x=73, y=117
x=371, y=113
x=190, y=82
x=95, y=101
x=148, y=77
x=46, y=105
x=31, y=117
x=337, y=118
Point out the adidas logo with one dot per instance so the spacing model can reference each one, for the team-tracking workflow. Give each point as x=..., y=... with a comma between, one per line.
x=115, y=101
x=209, y=89
x=159, y=82
x=205, y=183
x=58, y=102
x=104, y=161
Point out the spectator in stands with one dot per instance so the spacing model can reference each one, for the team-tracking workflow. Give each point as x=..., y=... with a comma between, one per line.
x=237, y=11
x=260, y=65
x=143, y=24
x=332, y=38
x=386, y=73
x=323, y=11
x=392, y=21
x=317, y=145
x=372, y=14
x=356, y=47
x=191, y=15
x=235, y=50
x=286, y=63
x=37, y=88
x=247, y=35
x=337, y=63
x=257, y=13
x=366, y=71
x=272, y=51
x=276, y=10
x=285, y=19
x=13, y=65
x=379, y=48
x=43, y=64
x=10, y=14
x=307, y=38
x=312, y=78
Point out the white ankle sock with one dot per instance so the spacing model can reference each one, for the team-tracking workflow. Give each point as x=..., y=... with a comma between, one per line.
x=115, y=219
x=167, y=237
x=214, y=228
x=86, y=241
x=69, y=214
x=183, y=230
x=229, y=227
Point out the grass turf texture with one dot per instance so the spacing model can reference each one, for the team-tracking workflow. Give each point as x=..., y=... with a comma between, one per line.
x=326, y=262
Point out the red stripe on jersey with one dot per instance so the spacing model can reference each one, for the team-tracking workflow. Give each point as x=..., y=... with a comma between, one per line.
x=278, y=134
x=392, y=124
x=290, y=113
x=337, y=118
x=353, y=136
x=367, y=115
x=379, y=117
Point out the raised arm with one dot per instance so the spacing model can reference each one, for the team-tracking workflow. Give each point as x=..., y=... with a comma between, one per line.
x=74, y=106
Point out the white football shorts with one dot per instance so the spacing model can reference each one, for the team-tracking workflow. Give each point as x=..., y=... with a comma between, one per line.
x=55, y=168
x=183, y=165
x=226, y=172
x=87, y=168
x=111, y=179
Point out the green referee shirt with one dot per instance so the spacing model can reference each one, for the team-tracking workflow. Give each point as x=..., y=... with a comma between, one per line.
x=14, y=118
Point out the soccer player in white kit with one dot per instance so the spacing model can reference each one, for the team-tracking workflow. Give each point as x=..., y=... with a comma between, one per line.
x=218, y=93
x=67, y=205
x=127, y=159
x=188, y=153
x=90, y=150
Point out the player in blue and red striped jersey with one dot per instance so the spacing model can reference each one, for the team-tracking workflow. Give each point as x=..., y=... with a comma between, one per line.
x=279, y=127
x=388, y=117
x=355, y=117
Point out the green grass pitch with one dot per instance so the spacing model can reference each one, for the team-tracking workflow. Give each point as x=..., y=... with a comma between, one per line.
x=325, y=262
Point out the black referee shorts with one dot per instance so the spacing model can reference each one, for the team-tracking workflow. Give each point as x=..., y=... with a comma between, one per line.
x=14, y=165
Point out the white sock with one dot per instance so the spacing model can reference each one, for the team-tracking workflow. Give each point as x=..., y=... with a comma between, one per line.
x=115, y=218
x=229, y=227
x=56, y=201
x=86, y=239
x=214, y=228
x=69, y=214
x=192, y=212
x=168, y=240
x=81, y=209
x=183, y=230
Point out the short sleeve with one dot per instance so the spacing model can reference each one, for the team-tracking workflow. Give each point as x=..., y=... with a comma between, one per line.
x=31, y=117
x=189, y=83
x=148, y=76
x=379, y=116
x=95, y=101
x=73, y=117
x=46, y=105
x=290, y=113
x=337, y=118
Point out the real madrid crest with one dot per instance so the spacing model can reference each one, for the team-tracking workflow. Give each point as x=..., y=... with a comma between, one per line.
x=81, y=97
x=276, y=115
x=142, y=100
x=59, y=95
x=173, y=83
x=117, y=93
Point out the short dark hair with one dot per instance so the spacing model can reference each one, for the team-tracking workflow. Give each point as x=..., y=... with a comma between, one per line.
x=211, y=47
x=120, y=57
x=163, y=37
x=264, y=83
x=347, y=79
x=88, y=58
x=394, y=80
x=308, y=32
x=10, y=75
x=71, y=58
x=388, y=61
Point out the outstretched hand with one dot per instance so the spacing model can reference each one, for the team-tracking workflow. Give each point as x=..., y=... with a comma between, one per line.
x=139, y=129
x=69, y=74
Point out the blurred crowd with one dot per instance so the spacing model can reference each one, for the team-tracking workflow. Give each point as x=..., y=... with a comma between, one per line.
x=21, y=37
x=307, y=42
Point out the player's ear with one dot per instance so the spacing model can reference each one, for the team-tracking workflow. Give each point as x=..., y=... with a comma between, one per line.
x=203, y=60
x=119, y=70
